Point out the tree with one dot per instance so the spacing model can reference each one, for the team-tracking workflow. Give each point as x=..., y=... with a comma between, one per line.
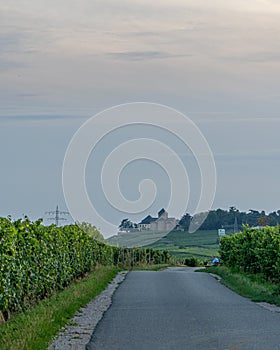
x=185, y=221
x=264, y=220
x=91, y=231
x=127, y=225
x=253, y=217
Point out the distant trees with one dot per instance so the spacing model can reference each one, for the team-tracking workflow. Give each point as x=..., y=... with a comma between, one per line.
x=221, y=218
x=127, y=225
x=91, y=231
x=185, y=221
x=231, y=220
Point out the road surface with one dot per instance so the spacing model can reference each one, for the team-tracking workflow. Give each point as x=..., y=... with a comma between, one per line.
x=182, y=309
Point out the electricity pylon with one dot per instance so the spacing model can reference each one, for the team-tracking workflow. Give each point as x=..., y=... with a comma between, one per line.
x=235, y=226
x=57, y=214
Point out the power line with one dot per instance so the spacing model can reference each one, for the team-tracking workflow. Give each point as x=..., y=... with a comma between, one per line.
x=57, y=215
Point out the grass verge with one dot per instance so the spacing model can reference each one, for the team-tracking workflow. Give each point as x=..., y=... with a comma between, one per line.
x=250, y=286
x=36, y=327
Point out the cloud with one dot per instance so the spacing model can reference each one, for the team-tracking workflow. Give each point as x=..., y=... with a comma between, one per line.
x=142, y=55
x=251, y=153
x=222, y=117
x=9, y=44
x=9, y=41
x=12, y=48
x=27, y=94
x=257, y=57
x=140, y=33
x=36, y=118
x=10, y=64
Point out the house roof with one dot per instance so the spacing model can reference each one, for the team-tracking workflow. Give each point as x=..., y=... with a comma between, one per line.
x=148, y=219
x=162, y=211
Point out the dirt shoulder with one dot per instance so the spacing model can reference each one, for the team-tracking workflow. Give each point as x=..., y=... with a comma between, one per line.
x=77, y=334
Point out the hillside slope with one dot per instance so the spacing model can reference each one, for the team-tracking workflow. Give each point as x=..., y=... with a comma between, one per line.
x=201, y=244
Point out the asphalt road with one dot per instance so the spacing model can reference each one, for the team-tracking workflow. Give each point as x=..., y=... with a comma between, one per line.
x=181, y=309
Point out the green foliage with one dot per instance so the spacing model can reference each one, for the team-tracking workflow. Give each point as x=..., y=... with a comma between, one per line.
x=36, y=327
x=36, y=260
x=91, y=231
x=201, y=244
x=185, y=221
x=254, y=251
x=127, y=225
x=192, y=262
x=221, y=218
x=135, y=239
x=248, y=285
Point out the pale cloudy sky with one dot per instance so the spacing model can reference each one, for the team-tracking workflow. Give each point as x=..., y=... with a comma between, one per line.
x=63, y=61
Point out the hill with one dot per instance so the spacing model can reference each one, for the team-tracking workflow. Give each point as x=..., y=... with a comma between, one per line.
x=136, y=239
x=202, y=244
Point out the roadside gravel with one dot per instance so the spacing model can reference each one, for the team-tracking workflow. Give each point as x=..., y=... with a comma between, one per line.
x=77, y=335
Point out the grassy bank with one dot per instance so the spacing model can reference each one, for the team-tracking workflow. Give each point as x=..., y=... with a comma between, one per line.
x=248, y=285
x=35, y=328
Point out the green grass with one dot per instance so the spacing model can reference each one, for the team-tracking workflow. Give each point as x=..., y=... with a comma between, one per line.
x=200, y=253
x=250, y=286
x=201, y=244
x=201, y=238
x=35, y=328
x=136, y=239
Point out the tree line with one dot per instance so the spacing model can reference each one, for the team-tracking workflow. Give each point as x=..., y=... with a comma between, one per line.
x=233, y=219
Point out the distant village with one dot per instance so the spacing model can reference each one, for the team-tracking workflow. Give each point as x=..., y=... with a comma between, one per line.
x=161, y=223
x=231, y=220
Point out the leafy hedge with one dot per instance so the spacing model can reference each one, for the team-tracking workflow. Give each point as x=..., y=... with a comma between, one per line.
x=36, y=260
x=255, y=251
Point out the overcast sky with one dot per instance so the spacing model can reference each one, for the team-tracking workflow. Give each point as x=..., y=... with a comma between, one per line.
x=63, y=61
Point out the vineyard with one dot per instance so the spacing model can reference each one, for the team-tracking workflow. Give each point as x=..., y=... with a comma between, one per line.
x=37, y=260
x=255, y=251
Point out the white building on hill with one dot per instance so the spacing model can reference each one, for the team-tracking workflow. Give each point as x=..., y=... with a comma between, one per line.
x=161, y=223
